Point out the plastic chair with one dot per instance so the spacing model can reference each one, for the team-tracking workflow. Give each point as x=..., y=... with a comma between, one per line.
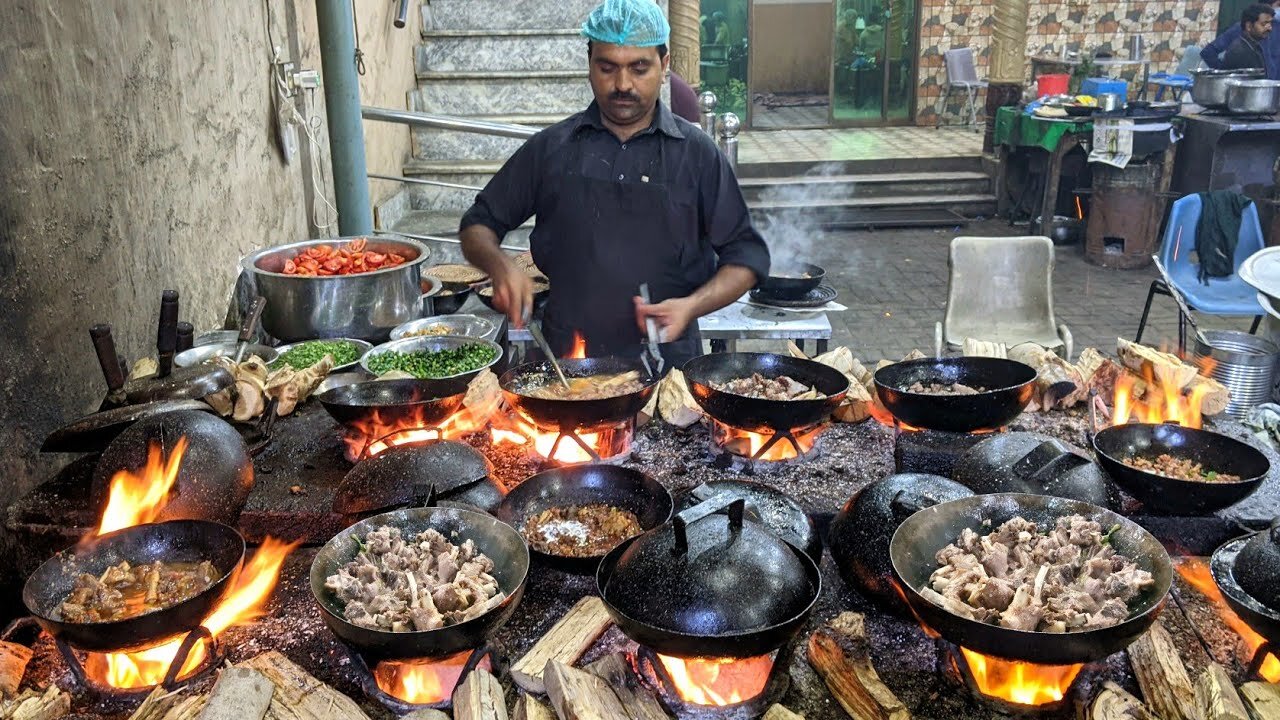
x=1001, y=290
x=1179, y=80
x=961, y=73
x=1227, y=296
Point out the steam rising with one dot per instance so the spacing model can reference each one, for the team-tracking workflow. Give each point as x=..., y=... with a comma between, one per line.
x=791, y=227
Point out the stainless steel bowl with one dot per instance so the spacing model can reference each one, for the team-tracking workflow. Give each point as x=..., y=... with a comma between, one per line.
x=203, y=353
x=431, y=287
x=459, y=325
x=433, y=343
x=215, y=336
x=365, y=306
x=1209, y=87
x=1253, y=97
x=363, y=346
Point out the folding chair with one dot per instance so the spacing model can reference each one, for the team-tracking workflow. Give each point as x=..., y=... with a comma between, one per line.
x=961, y=73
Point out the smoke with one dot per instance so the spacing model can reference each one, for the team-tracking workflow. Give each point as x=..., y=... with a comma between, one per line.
x=791, y=224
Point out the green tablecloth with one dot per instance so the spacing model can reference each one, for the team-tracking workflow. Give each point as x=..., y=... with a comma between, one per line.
x=1015, y=128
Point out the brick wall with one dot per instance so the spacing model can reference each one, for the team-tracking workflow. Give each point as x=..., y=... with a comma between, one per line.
x=1167, y=26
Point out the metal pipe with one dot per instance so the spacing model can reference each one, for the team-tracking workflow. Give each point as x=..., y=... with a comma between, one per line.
x=452, y=241
x=420, y=181
x=342, y=107
x=707, y=103
x=402, y=14
x=446, y=122
x=729, y=127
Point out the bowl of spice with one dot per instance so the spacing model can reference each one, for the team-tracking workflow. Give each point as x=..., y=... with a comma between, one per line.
x=459, y=325
x=433, y=357
x=346, y=353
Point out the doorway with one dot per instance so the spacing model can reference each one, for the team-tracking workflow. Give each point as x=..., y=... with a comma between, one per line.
x=873, y=68
x=790, y=63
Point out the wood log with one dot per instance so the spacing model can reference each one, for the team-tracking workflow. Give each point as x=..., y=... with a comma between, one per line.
x=160, y=703
x=972, y=347
x=1214, y=396
x=856, y=406
x=565, y=641
x=51, y=704
x=13, y=665
x=1113, y=703
x=479, y=698
x=1262, y=699
x=1216, y=696
x=639, y=702
x=426, y=714
x=530, y=708
x=839, y=652
x=1162, y=676
x=1168, y=370
x=298, y=694
x=778, y=712
x=189, y=708
x=675, y=403
x=239, y=694
x=1056, y=379
x=579, y=695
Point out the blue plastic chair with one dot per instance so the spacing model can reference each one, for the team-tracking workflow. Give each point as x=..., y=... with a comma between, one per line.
x=1226, y=296
x=1179, y=80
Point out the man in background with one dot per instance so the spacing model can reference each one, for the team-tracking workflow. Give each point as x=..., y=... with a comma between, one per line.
x=1246, y=52
x=1212, y=54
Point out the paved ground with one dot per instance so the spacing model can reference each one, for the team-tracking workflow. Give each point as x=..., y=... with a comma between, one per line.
x=895, y=284
x=822, y=144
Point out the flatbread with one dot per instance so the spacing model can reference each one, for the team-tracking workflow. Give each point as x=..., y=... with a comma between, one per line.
x=456, y=273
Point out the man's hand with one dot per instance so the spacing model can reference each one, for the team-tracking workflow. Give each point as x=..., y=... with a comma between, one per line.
x=672, y=316
x=513, y=293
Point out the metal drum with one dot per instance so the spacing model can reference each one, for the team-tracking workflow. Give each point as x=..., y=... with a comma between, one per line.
x=1244, y=363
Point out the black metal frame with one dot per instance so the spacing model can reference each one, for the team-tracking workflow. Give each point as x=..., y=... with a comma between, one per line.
x=1161, y=287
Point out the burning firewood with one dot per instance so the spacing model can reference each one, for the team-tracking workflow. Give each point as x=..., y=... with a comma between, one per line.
x=566, y=641
x=1056, y=379
x=839, y=652
x=578, y=695
x=480, y=697
x=640, y=704
x=1167, y=369
x=31, y=705
x=300, y=696
x=1113, y=703
x=1162, y=676
x=1216, y=696
x=13, y=664
x=1263, y=699
x=239, y=694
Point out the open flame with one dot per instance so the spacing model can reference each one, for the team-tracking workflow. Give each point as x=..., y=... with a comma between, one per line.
x=423, y=681
x=747, y=444
x=1197, y=574
x=579, y=350
x=376, y=435
x=515, y=430
x=137, y=497
x=718, y=681
x=250, y=589
x=1020, y=683
x=1160, y=402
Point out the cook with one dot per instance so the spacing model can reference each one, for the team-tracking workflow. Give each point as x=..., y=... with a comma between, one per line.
x=624, y=193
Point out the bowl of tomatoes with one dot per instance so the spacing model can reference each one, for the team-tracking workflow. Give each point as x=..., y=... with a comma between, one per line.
x=346, y=287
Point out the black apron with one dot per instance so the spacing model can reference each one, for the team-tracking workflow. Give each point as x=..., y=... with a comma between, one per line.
x=596, y=265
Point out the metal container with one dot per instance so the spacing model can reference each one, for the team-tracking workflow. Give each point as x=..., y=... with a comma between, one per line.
x=1253, y=97
x=1209, y=87
x=1245, y=363
x=431, y=287
x=1110, y=102
x=365, y=306
x=433, y=344
x=459, y=325
x=216, y=336
x=202, y=353
x=361, y=345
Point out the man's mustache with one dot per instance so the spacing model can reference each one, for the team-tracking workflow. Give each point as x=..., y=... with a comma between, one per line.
x=619, y=96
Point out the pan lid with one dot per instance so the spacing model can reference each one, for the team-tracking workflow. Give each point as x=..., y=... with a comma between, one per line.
x=1257, y=567
x=709, y=574
x=407, y=474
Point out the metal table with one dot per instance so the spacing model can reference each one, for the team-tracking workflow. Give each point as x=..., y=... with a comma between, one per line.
x=1222, y=152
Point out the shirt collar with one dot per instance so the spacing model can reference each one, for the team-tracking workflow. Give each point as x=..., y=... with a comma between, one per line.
x=663, y=121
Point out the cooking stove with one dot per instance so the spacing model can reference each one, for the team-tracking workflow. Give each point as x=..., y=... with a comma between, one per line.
x=931, y=451
x=739, y=449
x=558, y=447
x=403, y=686
x=714, y=688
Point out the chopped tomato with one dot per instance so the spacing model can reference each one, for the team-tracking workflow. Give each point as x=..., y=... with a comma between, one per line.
x=350, y=259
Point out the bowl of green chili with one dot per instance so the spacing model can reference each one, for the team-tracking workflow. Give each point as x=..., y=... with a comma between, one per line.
x=433, y=357
x=346, y=353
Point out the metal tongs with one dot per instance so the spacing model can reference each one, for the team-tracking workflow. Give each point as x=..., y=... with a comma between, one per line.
x=541, y=341
x=651, y=357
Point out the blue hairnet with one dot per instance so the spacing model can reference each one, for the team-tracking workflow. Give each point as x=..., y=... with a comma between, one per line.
x=635, y=23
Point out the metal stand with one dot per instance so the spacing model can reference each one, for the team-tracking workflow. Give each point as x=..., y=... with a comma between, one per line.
x=171, y=680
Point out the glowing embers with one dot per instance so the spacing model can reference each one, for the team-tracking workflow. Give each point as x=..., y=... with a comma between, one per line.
x=793, y=444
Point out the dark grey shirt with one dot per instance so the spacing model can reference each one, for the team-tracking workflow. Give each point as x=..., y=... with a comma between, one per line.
x=1244, y=54
x=672, y=151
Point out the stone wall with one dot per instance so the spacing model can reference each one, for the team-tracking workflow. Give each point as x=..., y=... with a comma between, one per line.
x=1168, y=26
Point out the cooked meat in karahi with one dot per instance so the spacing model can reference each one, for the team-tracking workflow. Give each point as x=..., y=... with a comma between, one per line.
x=125, y=591
x=424, y=583
x=934, y=388
x=759, y=386
x=1065, y=579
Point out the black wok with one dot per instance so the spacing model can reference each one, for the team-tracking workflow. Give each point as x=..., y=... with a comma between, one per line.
x=1009, y=386
x=756, y=414
x=1256, y=614
x=567, y=415
x=494, y=538
x=92, y=433
x=791, y=282
x=623, y=488
x=394, y=402
x=921, y=536
x=173, y=541
x=1160, y=494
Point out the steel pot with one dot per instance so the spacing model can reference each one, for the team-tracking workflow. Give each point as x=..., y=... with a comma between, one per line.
x=1110, y=102
x=1209, y=87
x=365, y=306
x=1253, y=97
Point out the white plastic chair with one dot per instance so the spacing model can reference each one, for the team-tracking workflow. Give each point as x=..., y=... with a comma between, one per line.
x=1001, y=290
x=961, y=73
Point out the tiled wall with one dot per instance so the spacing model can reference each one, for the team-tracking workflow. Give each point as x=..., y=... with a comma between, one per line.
x=1167, y=27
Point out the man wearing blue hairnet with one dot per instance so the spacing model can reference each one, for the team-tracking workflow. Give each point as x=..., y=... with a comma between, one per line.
x=624, y=193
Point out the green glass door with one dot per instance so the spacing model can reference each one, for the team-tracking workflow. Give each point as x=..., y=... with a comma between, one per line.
x=873, y=74
x=723, y=67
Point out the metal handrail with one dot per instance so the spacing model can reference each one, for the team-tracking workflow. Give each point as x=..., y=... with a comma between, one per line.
x=447, y=122
x=420, y=181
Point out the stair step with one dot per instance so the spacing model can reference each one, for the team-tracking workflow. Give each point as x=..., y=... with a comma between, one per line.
x=769, y=169
x=867, y=178
x=501, y=32
x=499, y=75
x=504, y=14
x=445, y=225
x=418, y=166
x=515, y=93
x=805, y=188
x=522, y=51
x=875, y=202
